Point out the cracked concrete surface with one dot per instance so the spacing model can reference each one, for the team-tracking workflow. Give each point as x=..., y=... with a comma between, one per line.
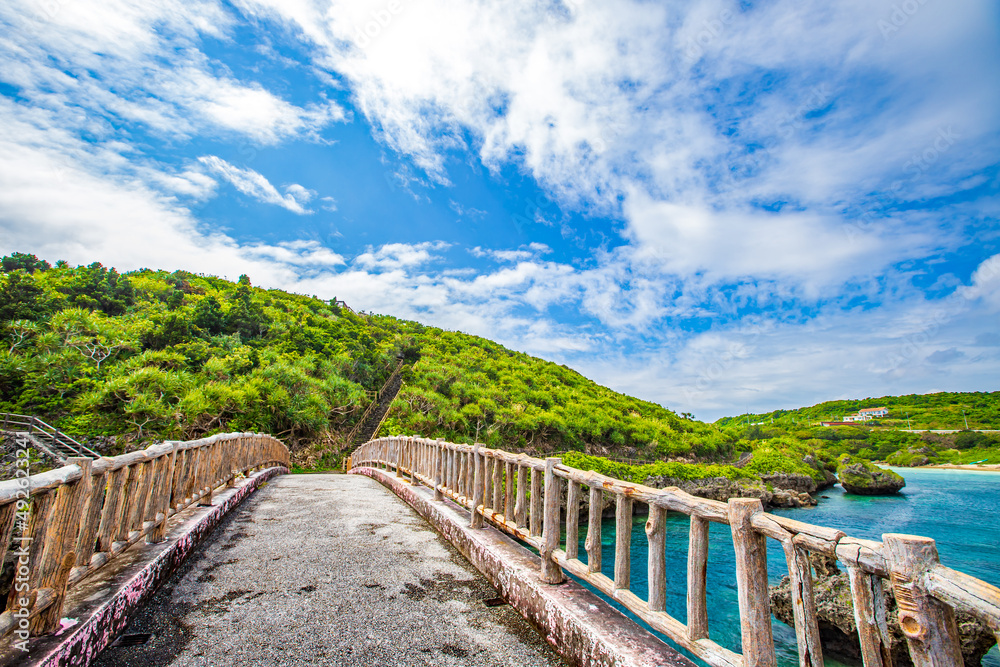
x=328, y=569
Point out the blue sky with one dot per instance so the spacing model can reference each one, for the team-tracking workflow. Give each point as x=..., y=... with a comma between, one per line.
x=713, y=205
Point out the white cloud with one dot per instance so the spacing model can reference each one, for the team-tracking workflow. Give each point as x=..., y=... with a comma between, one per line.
x=254, y=184
x=651, y=108
x=139, y=62
x=912, y=346
x=116, y=218
x=400, y=255
x=466, y=211
x=526, y=252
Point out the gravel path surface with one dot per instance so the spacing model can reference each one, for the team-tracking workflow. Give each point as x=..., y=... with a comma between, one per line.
x=328, y=569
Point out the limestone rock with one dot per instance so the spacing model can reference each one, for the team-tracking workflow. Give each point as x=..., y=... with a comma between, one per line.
x=829, y=479
x=863, y=478
x=722, y=489
x=838, y=631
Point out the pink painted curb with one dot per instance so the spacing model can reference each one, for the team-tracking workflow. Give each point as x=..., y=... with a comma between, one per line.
x=583, y=628
x=104, y=624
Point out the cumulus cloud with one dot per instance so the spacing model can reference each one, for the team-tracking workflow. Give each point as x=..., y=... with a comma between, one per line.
x=720, y=132
x=526, y=252
x=400, y=255
x=140, y=63
x=255, y=185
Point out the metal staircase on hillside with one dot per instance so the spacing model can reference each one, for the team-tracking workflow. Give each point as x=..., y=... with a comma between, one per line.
x=379, y=407
x=49, y=439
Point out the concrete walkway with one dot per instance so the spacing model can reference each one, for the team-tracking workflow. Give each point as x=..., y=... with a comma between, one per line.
x=328, y=569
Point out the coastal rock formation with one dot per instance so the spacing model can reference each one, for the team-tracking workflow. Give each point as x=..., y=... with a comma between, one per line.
x=790, y=481
x=829, y=479
x=912, y=457
x=866, y=479
x=722, y=489
x=838, y=631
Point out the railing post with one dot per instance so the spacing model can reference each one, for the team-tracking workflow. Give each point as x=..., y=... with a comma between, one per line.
x=521, y=503
x=572, y=520
x=477, y=487
x=535, y=529
x=438, y=462
x=508, y=502
x=929, y=624
x=697, y=568
x=551, y=572
x=869, y=616
x=656, y=535
x=751, y=582
x=413, y=458
x=594, y=544
x=204, y=472
x=162, y=503
x=623, y=543
x=59, y=553
x=398, y=446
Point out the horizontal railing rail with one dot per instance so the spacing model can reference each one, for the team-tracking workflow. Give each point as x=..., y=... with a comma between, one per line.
x=523, y=496
x=73, y=520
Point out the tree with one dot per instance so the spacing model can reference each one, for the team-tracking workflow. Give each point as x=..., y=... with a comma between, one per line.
x=97, y=288
x=21, y=298
x=21, y=331
x=170, y=329
x=208, y=316
x=246, y=317
x=20, y=260
x=175, y=300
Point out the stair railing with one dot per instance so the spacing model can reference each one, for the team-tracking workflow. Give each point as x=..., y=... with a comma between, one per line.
x=36, y=427
x=371, y=406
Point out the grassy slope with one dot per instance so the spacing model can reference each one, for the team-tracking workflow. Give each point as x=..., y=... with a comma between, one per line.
x=188, y=355
x=154, y=354
x=884, y=439
x=941, y=410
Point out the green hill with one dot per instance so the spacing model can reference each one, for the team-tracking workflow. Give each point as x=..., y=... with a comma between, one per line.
x=889, y=438
x=158, y=355
x=942, y=410
x=152, y=354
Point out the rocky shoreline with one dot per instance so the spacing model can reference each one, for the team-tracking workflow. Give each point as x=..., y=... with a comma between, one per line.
x=776, y=490
x=837, y=627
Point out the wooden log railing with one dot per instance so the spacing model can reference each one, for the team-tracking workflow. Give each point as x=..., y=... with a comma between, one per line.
x=522, y=496
x=73, y=520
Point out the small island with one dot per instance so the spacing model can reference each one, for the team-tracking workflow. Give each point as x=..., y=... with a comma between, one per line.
x=867, y=479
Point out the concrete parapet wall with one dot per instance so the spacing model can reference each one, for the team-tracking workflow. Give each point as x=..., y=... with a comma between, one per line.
x=582, y=627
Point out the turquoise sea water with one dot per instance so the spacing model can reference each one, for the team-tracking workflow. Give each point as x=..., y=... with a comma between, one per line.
x=959, y=509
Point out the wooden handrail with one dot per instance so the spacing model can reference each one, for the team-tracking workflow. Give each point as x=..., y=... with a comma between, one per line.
x=506, y=490
x=73, y=520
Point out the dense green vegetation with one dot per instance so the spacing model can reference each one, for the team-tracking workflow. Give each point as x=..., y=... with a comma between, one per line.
x=174, y=355
x=154, y=354
x=796, y=431
x=942, y=410
x=640, y=473
x=467, y=389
